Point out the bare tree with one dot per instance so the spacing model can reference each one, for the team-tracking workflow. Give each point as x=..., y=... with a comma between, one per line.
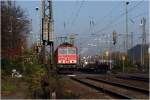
x=14, y=29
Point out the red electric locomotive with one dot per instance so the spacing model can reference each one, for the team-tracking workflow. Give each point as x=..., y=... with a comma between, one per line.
x=66, y=56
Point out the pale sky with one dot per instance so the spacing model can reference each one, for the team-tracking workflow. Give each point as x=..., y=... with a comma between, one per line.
x=107, y=16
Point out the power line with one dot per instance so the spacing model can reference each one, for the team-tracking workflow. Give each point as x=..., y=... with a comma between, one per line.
x=120, y=16
x=139, y=15
x=108, y=14
x=72, y=13
x=105, y=16
x=77, y=14
x=134, y=17
x=131, y=19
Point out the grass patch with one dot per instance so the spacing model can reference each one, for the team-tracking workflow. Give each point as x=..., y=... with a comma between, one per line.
x=7, y=87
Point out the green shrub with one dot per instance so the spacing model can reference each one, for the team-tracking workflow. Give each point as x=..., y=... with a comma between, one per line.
x=34, y=74
x=32, y=68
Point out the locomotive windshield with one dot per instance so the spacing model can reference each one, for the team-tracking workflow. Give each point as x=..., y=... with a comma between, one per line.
x=67, y=51
x=71, y=51
x=62, y=51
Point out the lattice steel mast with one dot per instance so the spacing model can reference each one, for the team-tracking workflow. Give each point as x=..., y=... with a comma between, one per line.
x=47, y=30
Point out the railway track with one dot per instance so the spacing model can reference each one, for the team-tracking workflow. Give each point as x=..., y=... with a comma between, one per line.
x=113, y=89
x=132, y=83
x=121, y=85
x=134, y=78
x=102, y=89
x=138, y=77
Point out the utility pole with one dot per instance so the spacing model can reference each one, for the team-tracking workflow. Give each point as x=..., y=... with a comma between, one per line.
x=131, y=47
x=127, y=25
x=127, y=29
x=143, y=47
x=47, y=39
x=47, y=31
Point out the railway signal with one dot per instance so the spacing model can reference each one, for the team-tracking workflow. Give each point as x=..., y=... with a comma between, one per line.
x=114, y=37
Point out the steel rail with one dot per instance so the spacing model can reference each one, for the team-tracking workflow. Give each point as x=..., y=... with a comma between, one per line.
x=121, y=85
x=116, y=94
x=134, y=78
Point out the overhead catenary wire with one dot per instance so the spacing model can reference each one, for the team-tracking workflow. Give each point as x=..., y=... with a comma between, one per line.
x=133, y=17
x=104, y=17
x=118, y=17
x=136, y=16
x=70, y=17
x=108, y=14
x=76, y=15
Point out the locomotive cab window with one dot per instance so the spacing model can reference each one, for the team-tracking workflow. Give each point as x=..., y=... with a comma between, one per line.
x=71, y=51
x=62, y=51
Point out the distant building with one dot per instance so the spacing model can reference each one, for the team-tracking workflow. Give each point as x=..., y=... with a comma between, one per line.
x=135, y=53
